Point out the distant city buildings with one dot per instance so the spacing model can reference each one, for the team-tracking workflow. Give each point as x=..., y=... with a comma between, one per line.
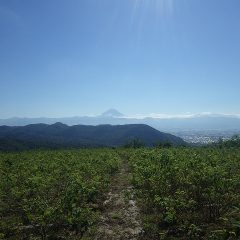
x=205, y=137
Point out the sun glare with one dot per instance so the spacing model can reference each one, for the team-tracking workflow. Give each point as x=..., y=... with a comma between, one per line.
x=160, y=7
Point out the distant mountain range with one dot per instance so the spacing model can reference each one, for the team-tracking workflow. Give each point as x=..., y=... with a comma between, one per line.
x=60, y=135
x=188, y=122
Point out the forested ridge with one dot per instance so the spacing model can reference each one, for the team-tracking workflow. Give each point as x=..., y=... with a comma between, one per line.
x=58, y=136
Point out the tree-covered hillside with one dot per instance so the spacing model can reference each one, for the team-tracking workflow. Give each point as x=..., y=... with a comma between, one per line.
x=59, y=135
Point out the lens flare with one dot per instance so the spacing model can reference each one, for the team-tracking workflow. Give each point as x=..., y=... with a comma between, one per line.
x=156, y=12
x=157, y=7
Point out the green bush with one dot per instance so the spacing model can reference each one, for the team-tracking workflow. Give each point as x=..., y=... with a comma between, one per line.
x=188, y=191
x=49, y=194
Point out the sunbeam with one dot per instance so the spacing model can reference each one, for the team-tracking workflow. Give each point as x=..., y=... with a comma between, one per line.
x=158, y=8
x=150, y=14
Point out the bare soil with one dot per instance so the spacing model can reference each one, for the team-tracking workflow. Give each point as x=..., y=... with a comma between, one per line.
x=120, y=216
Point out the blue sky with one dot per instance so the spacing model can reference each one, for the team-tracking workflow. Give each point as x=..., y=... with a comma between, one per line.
x=81, y=57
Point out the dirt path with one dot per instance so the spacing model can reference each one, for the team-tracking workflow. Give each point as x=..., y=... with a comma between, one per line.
x=120, y=218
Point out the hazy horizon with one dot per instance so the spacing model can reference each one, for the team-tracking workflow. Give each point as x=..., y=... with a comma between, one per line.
x=141, y=116
x=143, y=57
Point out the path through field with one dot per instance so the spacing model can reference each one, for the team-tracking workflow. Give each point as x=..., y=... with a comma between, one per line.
x=120, y=218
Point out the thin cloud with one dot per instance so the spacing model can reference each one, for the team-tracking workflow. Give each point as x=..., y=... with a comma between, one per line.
x=180, y=116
